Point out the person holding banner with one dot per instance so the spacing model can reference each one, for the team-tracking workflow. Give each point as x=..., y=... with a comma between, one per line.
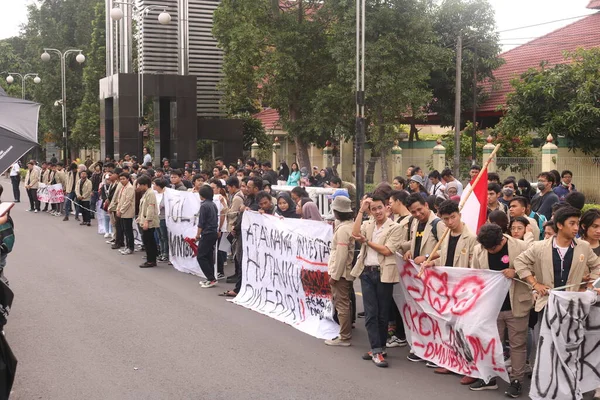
x=380, y=239
x=340, y=268
x=498, y=252
x=208, y=220
x=561, y=262
x=148, y=220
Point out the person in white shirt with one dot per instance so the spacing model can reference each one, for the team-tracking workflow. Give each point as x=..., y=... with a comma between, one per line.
x=147, y=156
x=437, y=188
x=448, y=177
x=15, y=179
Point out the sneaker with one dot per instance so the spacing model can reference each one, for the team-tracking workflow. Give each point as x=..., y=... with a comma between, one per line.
x=35, y=211
x=395, y=342
x=126, y=252
x=111, y=241
x=369, y=355
x=430, y=364
x=414, y=358
x=208, y=284
x=379, y=360
x=115, y=246
x=232, y=279
x=336, y=341
x=514, y=390
x=480, y=385
x=220, y=276
x=107, y=235
x=30, y=210
x=467, y=380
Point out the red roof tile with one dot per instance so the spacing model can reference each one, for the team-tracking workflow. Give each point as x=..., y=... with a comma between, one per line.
x=269, y=118
x=594, y=4
x=583, y=33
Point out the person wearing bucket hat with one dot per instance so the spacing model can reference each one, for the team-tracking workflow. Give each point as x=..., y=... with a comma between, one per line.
x=416, y=185
x=339, y=268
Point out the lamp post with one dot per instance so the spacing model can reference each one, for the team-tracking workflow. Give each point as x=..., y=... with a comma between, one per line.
x=10, y=79
x=117, y=14
x=80, y=58
x=360, y=100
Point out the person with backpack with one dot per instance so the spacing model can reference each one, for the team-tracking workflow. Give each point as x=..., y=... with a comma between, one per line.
x=424, y=231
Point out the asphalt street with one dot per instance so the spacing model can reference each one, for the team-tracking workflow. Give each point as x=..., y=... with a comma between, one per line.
x=87, y=323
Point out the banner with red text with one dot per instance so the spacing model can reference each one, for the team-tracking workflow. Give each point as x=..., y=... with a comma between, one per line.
x=284, y=272
x=50, y=193
x=450, y=317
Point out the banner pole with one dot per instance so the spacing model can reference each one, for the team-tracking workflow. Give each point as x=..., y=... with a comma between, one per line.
x=461, y=205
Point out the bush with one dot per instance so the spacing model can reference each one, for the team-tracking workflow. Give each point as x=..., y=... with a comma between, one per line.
x=590, y=206
x=23, y=173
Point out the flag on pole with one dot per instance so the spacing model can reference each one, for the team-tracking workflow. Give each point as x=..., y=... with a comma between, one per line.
x=474, y=212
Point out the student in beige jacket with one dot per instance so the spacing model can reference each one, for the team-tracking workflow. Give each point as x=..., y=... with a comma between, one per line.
x=32, y=180
x=83, y=192
x=424, y=230
x=340, y=268
x=148, y=220
x=498, y=252
x=126, y=211
x=380, y=239
x=61, y=177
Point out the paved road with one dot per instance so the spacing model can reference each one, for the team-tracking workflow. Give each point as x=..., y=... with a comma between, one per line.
x=87, y=323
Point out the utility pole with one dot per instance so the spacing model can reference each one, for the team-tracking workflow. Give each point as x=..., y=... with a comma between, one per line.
x=457, y=107
x=474, y=138
x=360, y=100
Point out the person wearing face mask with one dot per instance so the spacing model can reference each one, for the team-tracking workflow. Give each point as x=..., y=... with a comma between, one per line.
x=543, y=201
x=565, y=186
x=509, y=190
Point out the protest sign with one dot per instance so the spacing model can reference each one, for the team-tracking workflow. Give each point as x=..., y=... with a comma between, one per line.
x=181, y=215
x=568, y=353
x=450, y=317
x=50, y=193
x=284, y=272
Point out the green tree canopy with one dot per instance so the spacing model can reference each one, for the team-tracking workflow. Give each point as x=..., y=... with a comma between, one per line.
x=561, y=100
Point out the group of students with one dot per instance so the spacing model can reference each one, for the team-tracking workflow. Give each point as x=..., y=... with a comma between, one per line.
x=562, y=255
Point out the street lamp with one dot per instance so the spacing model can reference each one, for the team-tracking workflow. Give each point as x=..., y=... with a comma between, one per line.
x=80, y=58
x=10, y=79
x=360, y=99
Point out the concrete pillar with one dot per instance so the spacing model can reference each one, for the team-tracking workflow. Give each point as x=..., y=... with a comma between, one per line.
x=276, y=153
x=396, y=160
x=549, y=155
x=328, y=155
x=254, y=149
x=487, y=152
x=439, y=156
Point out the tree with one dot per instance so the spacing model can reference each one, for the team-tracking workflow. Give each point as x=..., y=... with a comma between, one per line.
x=562, y=100
x=276, y=54
x=474, y=21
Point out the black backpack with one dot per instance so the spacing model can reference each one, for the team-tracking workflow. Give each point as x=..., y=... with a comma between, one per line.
x=434, y=225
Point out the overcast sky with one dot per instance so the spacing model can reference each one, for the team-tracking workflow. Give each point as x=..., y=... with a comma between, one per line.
x=509, y=14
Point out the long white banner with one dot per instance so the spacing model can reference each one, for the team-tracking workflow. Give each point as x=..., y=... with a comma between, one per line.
x=568, y=352
x=50, y=193
x=285, y=272
x=450, y=317
x=181, y=214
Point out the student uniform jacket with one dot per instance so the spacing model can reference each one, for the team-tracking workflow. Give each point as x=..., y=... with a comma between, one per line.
x=85, y=192
x=521, y=299
x=342, y=252
x=33, y=177
x=148, y=210
x=463, y=254
x=537, y=261
x=126, y=201
x=390, y=237
x=428, y=240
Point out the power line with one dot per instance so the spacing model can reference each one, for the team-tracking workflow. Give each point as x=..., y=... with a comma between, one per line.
x=543, y=23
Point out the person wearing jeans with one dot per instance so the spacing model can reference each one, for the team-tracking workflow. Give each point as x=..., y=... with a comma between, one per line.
x=380, y=238
x=207, y=236
x=148, y=220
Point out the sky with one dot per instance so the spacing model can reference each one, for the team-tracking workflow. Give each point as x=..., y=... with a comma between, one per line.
x=509, y=14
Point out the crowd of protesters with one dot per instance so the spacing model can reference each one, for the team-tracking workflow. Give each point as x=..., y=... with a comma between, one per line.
x=537, y=236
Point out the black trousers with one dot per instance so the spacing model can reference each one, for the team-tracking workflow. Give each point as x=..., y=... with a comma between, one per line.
x=34, y=203
x=16, y=180
x=206, y=255
x=127, y=225
x=85, y=206
x=150, y=245
x=119, y=236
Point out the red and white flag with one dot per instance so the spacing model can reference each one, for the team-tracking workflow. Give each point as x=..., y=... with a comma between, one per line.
x=474, y=212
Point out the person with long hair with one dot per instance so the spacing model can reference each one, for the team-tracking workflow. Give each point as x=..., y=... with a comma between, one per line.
x=589, y=229
x=294, y=177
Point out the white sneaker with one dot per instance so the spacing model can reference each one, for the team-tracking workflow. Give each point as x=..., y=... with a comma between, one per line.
x=395, y=342
x=337, y=342
x=35, y=211
x=107, y=235
x=127, y=252
x=207, y=284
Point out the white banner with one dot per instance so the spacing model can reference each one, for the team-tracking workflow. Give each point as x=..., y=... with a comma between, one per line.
x=284, y=272
x=450, y=317
x=181, y=214
x=50, y=193
x=568, y=353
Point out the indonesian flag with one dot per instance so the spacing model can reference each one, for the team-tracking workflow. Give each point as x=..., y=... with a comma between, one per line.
x=474, y=212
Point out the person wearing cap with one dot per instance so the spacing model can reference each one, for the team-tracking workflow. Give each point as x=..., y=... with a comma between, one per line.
x=416, y=185
x=337, y=183
x=332, y=197
x=340, y=266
